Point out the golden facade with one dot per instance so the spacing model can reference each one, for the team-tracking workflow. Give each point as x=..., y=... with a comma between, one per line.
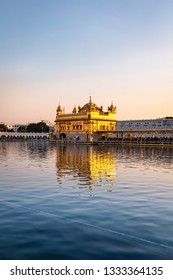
x=85, y=123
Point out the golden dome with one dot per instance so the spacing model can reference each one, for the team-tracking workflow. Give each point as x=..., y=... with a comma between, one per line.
x=90, y=106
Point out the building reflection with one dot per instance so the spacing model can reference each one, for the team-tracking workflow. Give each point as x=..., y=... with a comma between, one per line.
x=93, y=166
x=159, y=155
x=88, y=164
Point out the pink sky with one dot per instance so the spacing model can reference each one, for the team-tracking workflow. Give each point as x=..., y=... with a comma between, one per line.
x=66, y=52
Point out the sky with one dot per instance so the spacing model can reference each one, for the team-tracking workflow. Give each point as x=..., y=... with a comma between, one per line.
x=54, y=51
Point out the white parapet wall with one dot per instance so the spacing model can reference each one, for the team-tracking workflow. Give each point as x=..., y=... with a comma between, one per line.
x=24, y=135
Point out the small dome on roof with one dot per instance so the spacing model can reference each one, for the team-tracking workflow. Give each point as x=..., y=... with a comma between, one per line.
x=112, y=108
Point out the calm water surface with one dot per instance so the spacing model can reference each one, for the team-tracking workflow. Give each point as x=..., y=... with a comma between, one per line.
x=85, y=202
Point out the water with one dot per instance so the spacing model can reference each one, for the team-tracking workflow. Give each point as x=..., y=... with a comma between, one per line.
x=85, y=202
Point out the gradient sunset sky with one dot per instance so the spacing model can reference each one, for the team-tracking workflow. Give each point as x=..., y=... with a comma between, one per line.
x=53, y=51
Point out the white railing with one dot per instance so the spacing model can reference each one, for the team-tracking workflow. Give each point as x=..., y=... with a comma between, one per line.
x=24, y=135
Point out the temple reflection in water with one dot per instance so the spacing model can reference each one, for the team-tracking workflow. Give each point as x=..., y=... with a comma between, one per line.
x=90, y=164
x=95, y=165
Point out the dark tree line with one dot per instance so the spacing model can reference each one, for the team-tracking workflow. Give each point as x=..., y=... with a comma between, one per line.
x=3, y=127
x=32, y=127
x=38, y=127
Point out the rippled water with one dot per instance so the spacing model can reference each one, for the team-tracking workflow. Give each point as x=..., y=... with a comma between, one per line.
x=85, y=202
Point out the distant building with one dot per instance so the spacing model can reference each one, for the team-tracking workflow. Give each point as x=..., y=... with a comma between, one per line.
x=86, y=123
x=145, y=124
x=8, y=125
x=14, y=127
x=162, y=127
x=23, y=127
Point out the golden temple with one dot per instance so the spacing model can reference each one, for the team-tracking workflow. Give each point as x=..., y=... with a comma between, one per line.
x=86, y=123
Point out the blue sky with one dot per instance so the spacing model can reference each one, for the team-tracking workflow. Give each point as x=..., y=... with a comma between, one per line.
x=55, y=51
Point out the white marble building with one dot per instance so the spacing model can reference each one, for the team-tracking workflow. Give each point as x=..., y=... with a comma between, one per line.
x=151, y=124
x=162, y=127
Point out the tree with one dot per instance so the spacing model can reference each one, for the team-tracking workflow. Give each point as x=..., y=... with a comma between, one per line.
x=22, y=128
x=38, y=127
x=3, y=127
x=32, y=127
x=42, y=127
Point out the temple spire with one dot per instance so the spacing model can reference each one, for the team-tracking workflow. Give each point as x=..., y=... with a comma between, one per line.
x=59, y=109
x=74, y=110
